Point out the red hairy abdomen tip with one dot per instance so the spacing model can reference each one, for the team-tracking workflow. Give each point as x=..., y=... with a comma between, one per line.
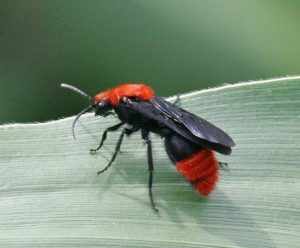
x=201, y=169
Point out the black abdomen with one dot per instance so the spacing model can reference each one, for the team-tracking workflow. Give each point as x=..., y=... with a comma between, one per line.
x=179, y=148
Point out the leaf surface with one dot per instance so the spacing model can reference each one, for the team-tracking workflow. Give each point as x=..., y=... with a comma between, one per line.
x=50, y=195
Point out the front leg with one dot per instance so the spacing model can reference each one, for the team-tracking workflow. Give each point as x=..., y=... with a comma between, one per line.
x=126, y=131
x=110, y=129
x=145, y=136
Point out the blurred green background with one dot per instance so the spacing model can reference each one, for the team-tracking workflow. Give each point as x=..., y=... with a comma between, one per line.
x=174, y=46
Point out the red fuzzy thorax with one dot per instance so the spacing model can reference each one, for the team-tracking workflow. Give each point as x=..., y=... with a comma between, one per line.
x=201, y=169
x=114, y=95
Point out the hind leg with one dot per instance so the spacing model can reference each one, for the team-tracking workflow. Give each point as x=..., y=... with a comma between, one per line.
x=222, y=164
x=145, y=136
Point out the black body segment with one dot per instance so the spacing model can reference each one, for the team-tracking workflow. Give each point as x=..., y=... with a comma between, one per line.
x=179, y=148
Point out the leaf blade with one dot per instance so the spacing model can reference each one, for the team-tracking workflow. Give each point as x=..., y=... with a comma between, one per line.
x=50, y=194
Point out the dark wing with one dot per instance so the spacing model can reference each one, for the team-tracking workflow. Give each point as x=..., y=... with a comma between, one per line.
x=197, y=126
x=161, y=111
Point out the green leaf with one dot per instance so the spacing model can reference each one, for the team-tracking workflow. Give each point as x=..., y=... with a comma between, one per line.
x=50, y=195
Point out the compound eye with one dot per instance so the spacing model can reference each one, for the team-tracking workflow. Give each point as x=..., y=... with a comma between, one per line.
x=102, y=104
x=102, y=107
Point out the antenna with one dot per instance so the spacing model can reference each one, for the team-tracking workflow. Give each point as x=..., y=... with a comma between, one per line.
x=77, y=117
x=87, y=109
x=80, y=92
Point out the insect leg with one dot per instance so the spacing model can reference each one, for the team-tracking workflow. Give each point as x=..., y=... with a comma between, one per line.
x=110, y=129
x=222, y=164
x=126, y=131
x=145, y=136
x=177, y=100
